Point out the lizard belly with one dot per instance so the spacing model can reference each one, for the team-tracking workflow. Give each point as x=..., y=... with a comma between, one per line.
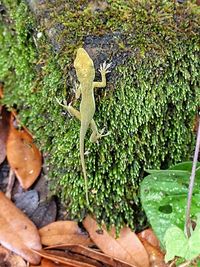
x=87, y=108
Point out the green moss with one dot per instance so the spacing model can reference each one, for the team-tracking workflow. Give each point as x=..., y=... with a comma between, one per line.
x=17, y=54
x=148, y=107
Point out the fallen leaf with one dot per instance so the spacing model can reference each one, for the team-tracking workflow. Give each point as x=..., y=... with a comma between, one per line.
x=4, y=127
x=91, y=253
x=4, y=130
x=127, y=247
x=4, y=254
x=1, y=90
x=61, y=232
x=16, y=121
x=17, y=232
x=74, y=256
x=16, y=261
x=156, y=256
x=27, y=201
x=60, y=259
x=8, y=258
x=23, y=156
x=131, y=243
x=45, y=213
x=150, y=237
x=49, y=263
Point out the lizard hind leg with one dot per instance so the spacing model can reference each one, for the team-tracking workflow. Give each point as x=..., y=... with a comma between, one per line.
x=74, y=112
x=95, y=134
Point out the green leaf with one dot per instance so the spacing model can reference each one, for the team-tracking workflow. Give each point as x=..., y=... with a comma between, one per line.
x=180, y=172
x=194, y=242
x=186, y=166
x=177, y=244
x=164, y=197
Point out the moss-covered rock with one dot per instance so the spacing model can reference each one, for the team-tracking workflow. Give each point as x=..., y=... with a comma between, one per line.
x=148, y=105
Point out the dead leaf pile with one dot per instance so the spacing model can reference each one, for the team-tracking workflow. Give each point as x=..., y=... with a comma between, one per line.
x=18, y=145
x=62, y=243
x=17, y=232
x=66, y=244
x=8, y=258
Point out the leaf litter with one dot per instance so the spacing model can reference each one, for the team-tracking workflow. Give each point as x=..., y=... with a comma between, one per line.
x=60, y=243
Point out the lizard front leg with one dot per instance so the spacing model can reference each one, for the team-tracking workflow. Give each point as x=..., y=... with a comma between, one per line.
x=95, y=134
x=103, y=70
x=77, y=92
x=70, y=109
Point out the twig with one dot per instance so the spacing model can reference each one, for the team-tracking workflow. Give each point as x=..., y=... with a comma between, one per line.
x=191, y=185
x=11, y=180
x=173, y=263
x=185, y=264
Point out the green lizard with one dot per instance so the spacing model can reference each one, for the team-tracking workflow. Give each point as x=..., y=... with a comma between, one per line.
x=85, y=72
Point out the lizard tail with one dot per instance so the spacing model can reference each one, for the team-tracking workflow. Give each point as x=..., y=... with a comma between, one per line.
x=82, y=138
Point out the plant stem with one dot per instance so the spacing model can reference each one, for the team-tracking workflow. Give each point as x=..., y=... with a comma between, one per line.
x=191, y=185
x=185, y=264
x=11, y=180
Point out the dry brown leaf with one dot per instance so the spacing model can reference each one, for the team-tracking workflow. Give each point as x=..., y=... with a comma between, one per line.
x=156, y=256
x=131, y=243
x=4, y=254
x=49, y=263
x=94, y=254
x=16, y=261
x=4, y=129
x=62, y=259
x=61, y=232
x=74, y=256
x=150, y=237
x=1, y=90
x=17, y=232
x=127, y=247
x=17, y=122
x=8, y=258
x=23, y=156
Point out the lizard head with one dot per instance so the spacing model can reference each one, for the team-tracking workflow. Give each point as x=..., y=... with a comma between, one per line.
x=84, y=66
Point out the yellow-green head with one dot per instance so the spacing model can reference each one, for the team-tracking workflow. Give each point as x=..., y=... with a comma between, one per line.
x=84, y=66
